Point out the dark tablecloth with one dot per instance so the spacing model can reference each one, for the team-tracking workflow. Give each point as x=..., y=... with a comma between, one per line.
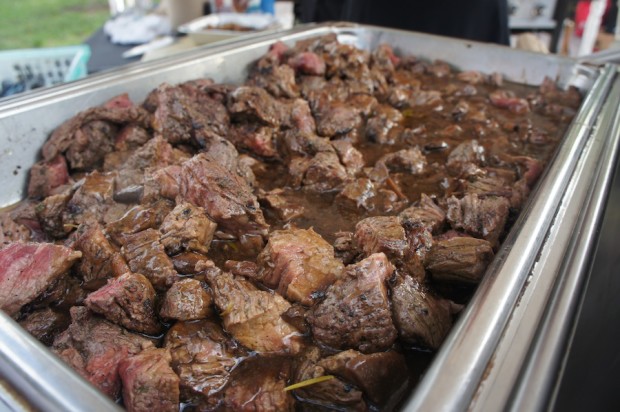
x=105, y=54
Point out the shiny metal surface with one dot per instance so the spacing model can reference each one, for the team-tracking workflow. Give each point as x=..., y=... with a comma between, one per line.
x=450, y=384
x=556, y=272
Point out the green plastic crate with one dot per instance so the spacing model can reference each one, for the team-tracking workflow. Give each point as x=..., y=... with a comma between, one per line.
x=44, y=67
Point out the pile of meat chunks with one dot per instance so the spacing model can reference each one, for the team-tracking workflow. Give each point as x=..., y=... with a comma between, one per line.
x=109, y=260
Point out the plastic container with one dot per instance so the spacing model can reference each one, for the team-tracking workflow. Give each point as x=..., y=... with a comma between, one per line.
x=26, y=69
x=242, y=6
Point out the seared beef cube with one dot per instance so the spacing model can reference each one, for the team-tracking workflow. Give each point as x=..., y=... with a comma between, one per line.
x=128, y=185
x=226, y=197
x=157, y=152
x=279, y=80
x=163, y=182
x=259, y=384
x=420, y=317
x=131, y=137
x=349, y=156
x=424, y=98
x=47, y=176
x=253, y=316
x=146, y=255
x=100, y=260
x=299, y=264
x=465, y=158
x=64, y=136
x=128, y=301
x=483, y=217
x=283, y=206
x=356, y=311
x=187, y=299
x=300, y=117
x=187, y=228
x=406, y=160
x=331, y=394
x=460, y=259
x=426, y=212
x=294, y=143
x=11, y=231
x=50, y=214
x=149, y=383
x=505, y=99
x=187, y=263
x=334, y=118
x=254, y=104
x=44, y=324
x=345, y=249
x=202, y=355
x=357, y=194
x=94, y=347
x=307, y=63
x=324, y=173
x=381, y=234
x=28, y=269
x=90, y=144
x=137, y=219
x=379, y=375
x=384, y=58
x=92, y=201
x=384, y=119
x=255, y=138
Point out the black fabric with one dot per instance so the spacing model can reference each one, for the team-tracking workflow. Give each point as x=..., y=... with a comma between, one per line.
x=481, y=20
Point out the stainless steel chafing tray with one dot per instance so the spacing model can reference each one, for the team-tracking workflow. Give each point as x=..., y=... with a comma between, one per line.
x=506, y=348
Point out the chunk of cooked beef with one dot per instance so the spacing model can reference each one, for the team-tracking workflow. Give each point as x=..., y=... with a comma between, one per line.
x=162, y=182
x=459, y=259
x=299, y=264
x=381, y=234
x=181, y=120
x=44, y=324
x=330, y=394
x=93, y=201
x=253, y=316
x=258, y=385
x=50, y=214
x=94, y=347
x=255, y=138
x=187, y=227
x=278, y=79
x=483, y=217
x=506, y=99
x=226, y=197
x=294, y=143
x=351, y=158
x=283, y=205
x=300, y=117
x=334, y=118
x=146, y=255
x=420, y=317
x=427, y=212
x=186, y=299
x=465, y=158
x=11, y=231
x=358, y=193
x=100, y=259
x=307, y=63
x=187, y=263
x=356, y=311
x=157, y=152
x=28, y=269
x=203, y=357
x=63, y=137
x=91, y=143
x=324, y=173
x=45, y=176
x=137, y=219
x=129, y=301
x=254, y=104
x=131, y=137
x=384, y=119
x=380, y=375
x=149, y=383
x=411, y=161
